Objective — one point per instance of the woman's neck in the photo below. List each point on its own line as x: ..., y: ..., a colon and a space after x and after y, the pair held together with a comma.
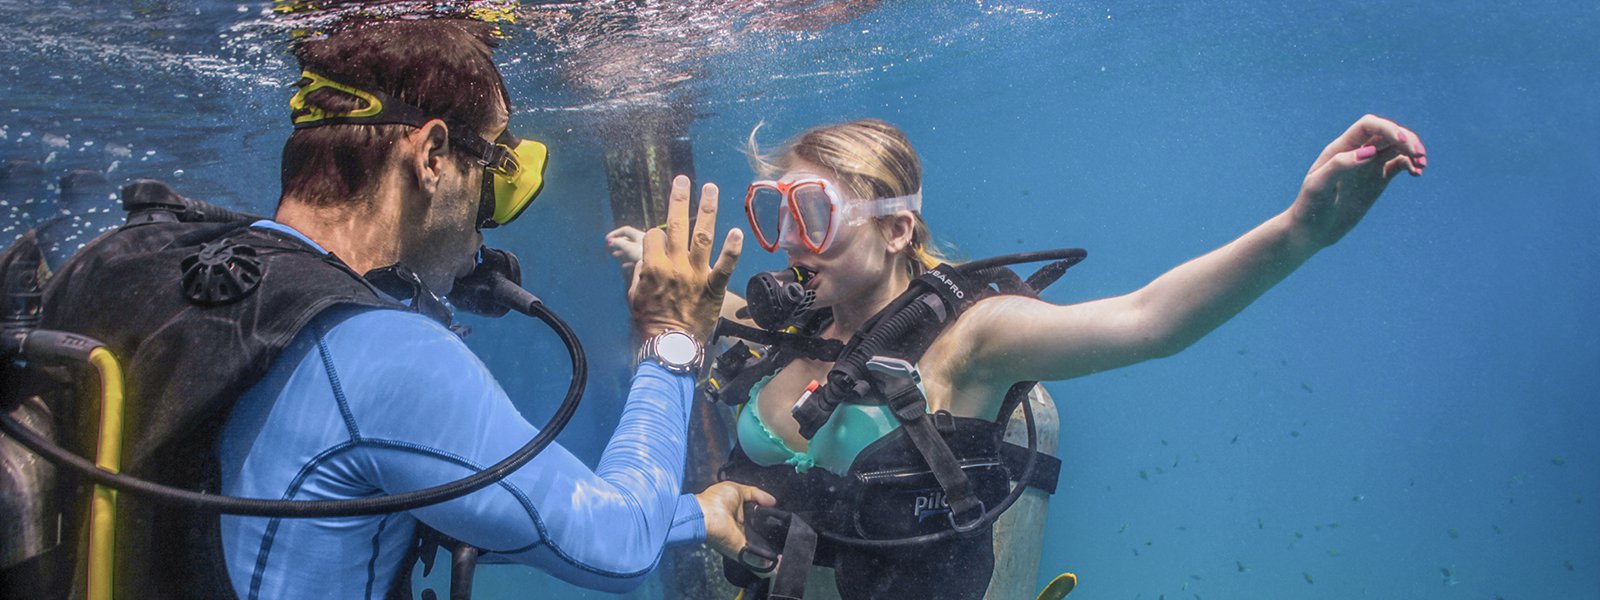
x: 850, y: 314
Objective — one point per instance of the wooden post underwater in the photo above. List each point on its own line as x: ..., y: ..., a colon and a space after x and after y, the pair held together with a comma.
x: 643, y: 153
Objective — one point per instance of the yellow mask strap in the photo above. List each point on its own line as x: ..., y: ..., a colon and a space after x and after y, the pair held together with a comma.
x: 377, y: 108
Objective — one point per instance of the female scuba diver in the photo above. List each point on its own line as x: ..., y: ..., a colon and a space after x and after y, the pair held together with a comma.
x: 827, y: 429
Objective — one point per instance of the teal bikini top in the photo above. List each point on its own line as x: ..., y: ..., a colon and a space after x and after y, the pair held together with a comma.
x: 850, y: 430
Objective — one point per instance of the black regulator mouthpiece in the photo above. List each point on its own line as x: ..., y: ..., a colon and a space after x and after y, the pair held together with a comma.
x: 776, y: 298
x: 494, y: 286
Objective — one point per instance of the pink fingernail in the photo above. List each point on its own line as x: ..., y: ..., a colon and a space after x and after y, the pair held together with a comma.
x: 1422, y: 160
x: 1366, y: 152
x: 1402, y: 137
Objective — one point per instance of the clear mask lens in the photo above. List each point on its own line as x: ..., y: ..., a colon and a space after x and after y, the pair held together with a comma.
x: 816, y: 212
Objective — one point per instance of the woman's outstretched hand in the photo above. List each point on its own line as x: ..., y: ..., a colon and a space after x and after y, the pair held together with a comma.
x: 626, y: 244
x: 1351, y: 173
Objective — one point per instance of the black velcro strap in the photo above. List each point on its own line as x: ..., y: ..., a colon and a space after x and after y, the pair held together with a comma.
x: 794, y: 564
x: 1046, y: 469
x: 807, y: 346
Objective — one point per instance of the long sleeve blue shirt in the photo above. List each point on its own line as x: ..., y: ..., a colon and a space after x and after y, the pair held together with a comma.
x: 369, y: 401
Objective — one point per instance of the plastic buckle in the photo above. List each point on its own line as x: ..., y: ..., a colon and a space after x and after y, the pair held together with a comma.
x: 769, y: 560
x: 894, y: 367
x: 972, y: 524
x: 944, y: 422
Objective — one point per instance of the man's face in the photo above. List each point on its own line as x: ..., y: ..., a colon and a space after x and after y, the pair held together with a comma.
x: 444, y: 248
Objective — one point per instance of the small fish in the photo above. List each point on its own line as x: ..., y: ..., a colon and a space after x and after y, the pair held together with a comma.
x: 1454, y: 535
x: 1448, y: 572
x: 1160, y: 471
x: 1123, y: 528
x: 1182, y: 528
x: 1144, y: 475
x: 1241, y: 566
x: 1308, y: 577
x: 1317, y: 527
x: 1235, y: 440
x: 1299, y: 536
x: 1294, y: 434
x: 1135, y: 551
x: 1305, y: 387
x: 1163, y: 442
x: 1196, y: 578
x: 1149, y: 542
x: 1174, y: 462
x: 1357, y: 498
x: 1496, y: 528
x: 1243, y: 351
x: 1333, y: 525
x: 1260, y: 524
x: 1569, y: 566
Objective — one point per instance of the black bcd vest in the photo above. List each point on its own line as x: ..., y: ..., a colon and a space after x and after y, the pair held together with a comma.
x: 197, y: 313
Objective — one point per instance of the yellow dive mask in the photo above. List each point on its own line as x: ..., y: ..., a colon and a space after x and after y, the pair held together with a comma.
x: 513, y: 167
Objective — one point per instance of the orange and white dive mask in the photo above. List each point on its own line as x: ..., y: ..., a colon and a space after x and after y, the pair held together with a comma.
x: 814, y: 209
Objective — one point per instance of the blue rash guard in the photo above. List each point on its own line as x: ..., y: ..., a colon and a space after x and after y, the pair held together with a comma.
x: 372, y: 401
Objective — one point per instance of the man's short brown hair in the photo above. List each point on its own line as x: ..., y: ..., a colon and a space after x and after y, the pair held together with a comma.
x: 442, y: 66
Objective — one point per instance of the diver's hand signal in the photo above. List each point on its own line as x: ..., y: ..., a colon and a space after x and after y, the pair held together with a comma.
x: 674, y: 287
x: 1346, y: 180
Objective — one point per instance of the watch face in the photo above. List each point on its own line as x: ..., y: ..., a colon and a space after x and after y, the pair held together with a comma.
x: 677, y: 348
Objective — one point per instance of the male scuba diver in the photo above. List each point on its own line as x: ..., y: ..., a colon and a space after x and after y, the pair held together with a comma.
x: 305, y: 367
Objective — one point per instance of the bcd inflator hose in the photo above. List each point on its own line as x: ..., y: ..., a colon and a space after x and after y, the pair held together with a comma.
x: 45, y: 345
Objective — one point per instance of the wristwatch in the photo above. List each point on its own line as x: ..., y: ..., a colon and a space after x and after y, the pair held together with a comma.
x: 674, y: 349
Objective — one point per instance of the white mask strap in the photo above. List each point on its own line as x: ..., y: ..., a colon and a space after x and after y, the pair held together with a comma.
x: 887, y: 206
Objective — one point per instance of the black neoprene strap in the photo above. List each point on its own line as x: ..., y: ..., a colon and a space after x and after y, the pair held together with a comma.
x: 794, y: 564
x: 1046, y: 468
x: 966, y: 511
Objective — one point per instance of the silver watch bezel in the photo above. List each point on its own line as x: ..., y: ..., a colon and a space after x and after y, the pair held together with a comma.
x: 651, y: 350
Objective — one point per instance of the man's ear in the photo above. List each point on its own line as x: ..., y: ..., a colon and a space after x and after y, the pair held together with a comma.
x: 431, y: 155
x: 897, y: 230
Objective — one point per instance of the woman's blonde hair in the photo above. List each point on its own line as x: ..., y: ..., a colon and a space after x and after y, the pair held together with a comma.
x: 872, y: 158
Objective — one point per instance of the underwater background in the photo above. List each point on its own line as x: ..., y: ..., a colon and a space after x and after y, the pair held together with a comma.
x: 1413, y: 414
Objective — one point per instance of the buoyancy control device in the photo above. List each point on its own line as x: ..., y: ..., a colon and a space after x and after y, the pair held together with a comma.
x: 198, y: 303
x: 914, y: 502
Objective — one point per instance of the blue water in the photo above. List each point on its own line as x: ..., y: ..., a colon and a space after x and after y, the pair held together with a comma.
x: 1411, y: 415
